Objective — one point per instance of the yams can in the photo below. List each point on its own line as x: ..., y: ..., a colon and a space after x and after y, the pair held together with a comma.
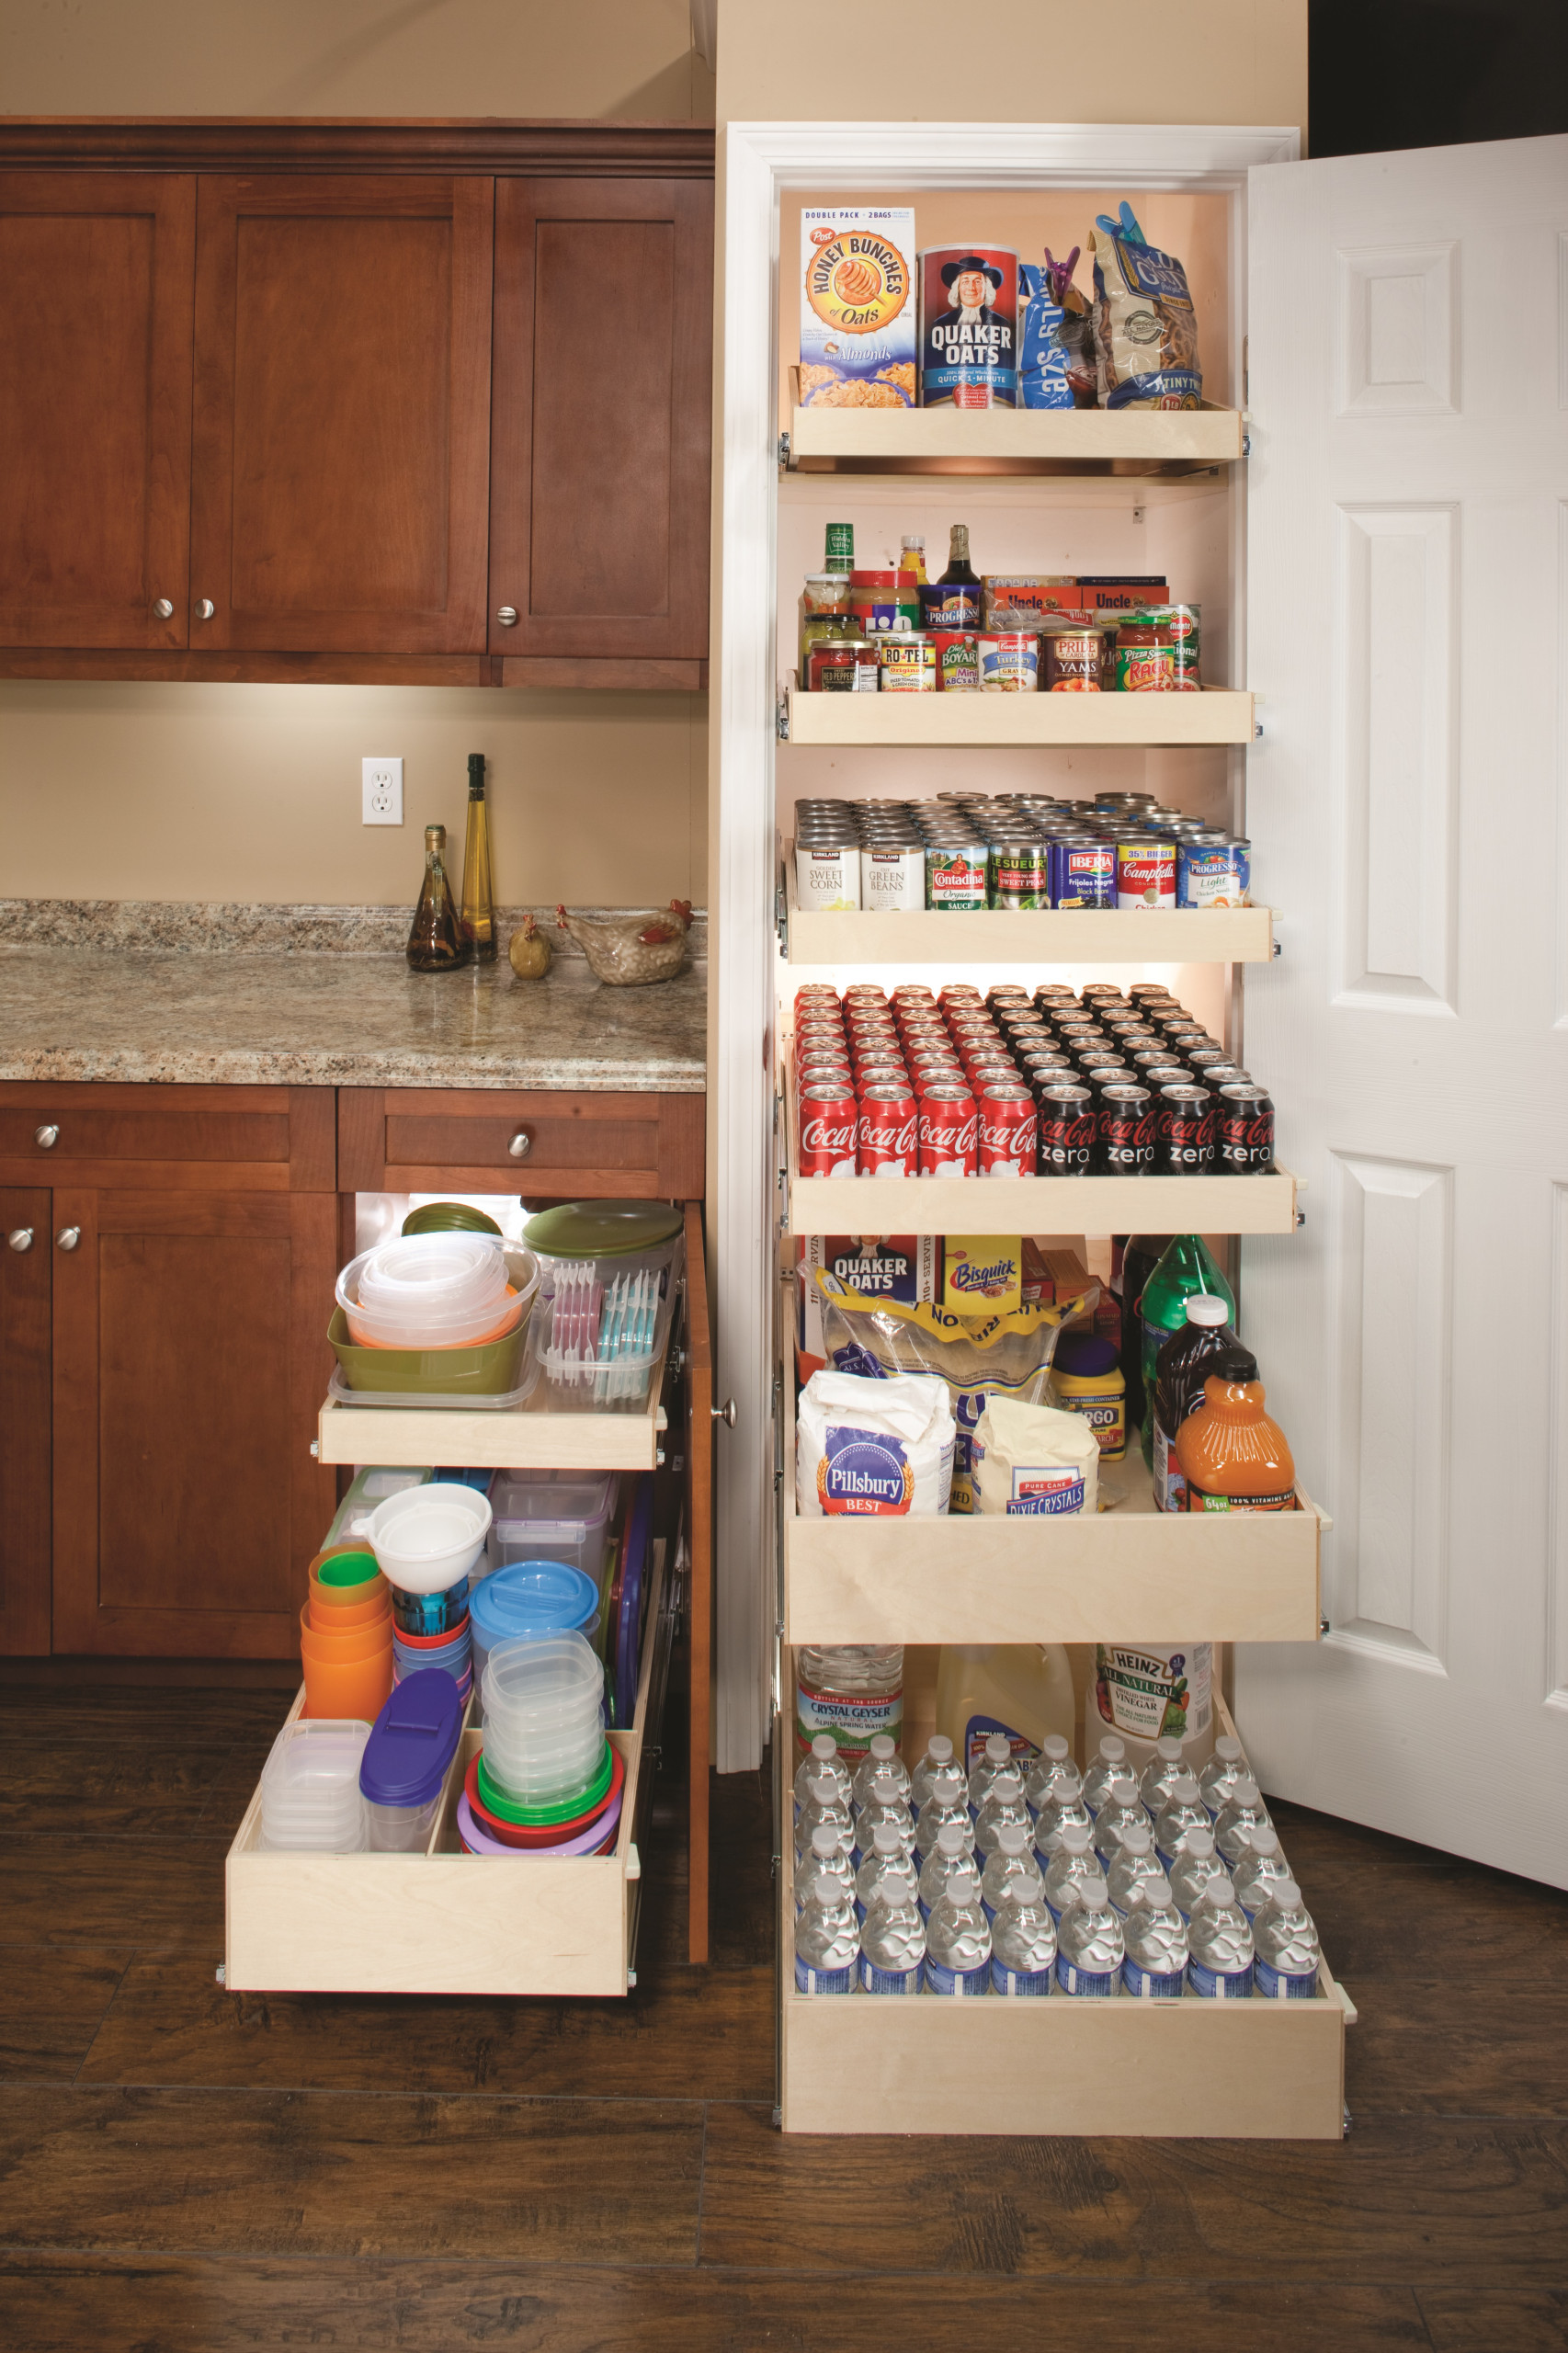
x: 969, y: 328
x: 1072, y: 660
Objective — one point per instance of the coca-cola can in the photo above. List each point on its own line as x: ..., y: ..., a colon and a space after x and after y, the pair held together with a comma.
x: 1245, y: 1132
x: 1125, y: 1140
x: 1009, y: 1128
x: 886, y: 1138
x: 1068, y: 1128
x: 886, y: 1070
x: 814, y: 996
x: 960, y: 992
x: 829, y: 1123
x: 1184, y: 1134
x: 826, y: 1035
x: 826, y: 1069
x: 936, y: 1063
x: 948, y: 1130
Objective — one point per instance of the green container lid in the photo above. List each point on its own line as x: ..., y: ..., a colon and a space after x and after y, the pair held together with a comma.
x: 602, y: 1229
x: 448, y: 1217
x: 536, y: 1817
x: 348, y: 1569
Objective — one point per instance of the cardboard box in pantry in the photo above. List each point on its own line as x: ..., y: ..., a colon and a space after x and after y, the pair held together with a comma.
x: 1006, y: 1270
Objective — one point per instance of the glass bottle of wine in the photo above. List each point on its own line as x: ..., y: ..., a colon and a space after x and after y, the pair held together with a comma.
x: 437, y: 942
x: 479, y: 901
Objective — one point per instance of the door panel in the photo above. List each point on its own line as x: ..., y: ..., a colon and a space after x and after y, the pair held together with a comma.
x: 342, y: 413
x: 95, y: 407
x: 700, y: 1524
x: 1408, y: 489
x: 600, y: 476
x: 25, y: 1443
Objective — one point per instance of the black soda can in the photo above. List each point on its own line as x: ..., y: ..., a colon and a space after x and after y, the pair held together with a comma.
x: 1067, y: 1130
x: 1185, y: 1125
x: 1125, y: 1142
x: 1246, y: 1124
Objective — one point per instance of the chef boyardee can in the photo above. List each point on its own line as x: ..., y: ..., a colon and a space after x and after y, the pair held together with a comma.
x: 956, y: 876
x: 969, y: 323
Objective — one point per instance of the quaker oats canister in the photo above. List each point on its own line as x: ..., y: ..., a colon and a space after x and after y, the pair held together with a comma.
x: 968, y: 322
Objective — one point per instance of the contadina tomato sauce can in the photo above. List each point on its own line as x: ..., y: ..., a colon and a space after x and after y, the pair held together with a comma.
x: 969, y: 328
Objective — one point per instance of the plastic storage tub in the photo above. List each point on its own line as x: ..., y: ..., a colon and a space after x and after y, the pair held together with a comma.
x: 530, y: 1597
x: 555, y: 1516
x: 404, y: 1766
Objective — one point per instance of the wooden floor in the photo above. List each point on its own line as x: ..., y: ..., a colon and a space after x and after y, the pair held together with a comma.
x: 180, y: 2169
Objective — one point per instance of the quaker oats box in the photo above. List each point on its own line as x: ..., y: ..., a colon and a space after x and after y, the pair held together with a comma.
x: 858, y: 307
x: 906, y: 1267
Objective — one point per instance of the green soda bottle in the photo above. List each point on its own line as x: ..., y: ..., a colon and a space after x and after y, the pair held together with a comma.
x: 1187, y: 1267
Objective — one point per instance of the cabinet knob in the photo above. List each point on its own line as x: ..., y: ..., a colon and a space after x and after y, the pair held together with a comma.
x: 46, y: 1138
x: 68, y: 1237
x: 508, y: 616
x: 205, y: 608
x: 522, y: 1143
x: 724, y: 1413
x: 163, y: 609
x: 20, y: 1237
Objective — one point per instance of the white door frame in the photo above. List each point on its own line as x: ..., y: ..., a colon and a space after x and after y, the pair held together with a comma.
x: 759, y: 159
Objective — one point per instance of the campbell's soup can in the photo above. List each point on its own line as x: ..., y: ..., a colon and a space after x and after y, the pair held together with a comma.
x: 1009, y: 662
x: 1145, y: 872
x: 958, y: 660
x: 969, y: 326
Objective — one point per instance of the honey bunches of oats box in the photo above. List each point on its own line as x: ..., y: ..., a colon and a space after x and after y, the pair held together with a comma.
x: 858, y: 306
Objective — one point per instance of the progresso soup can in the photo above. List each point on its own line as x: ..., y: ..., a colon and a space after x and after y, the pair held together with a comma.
x: 969, y: 326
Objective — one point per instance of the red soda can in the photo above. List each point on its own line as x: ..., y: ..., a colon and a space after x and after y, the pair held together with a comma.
x: 829, y: 1118
x: 948, y: 1130
x: 960, y: 992
x: 815, y: 996
x: 825, y: 1070
x: 820, y: 1033
x: 1009, y: 1128
x: 936, y: 1063
x: 886, y: 1071
x: 886, y: 1135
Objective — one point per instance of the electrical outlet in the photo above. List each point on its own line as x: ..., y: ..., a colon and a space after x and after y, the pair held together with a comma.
x: 381, y: 788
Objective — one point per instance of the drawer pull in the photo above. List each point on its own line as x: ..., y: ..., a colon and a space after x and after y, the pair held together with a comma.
x: 724, y: 1413
x: 522, y: 1143
x: 68, y: 1237
x: 163, y: 609
x: 205, y: 608
x: 508, y: 616
x: 46, y: 1138
x: 20, y: 1237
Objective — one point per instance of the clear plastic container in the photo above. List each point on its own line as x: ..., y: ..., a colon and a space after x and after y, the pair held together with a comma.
x: 600, y: 1329
x: 400, y: 1829
x: 310, y: 1788
x: 438, y: 1291
x: 555, y: 1516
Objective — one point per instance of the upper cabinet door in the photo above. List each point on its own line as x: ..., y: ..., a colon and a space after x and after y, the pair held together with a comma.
x: 342, y: 413
x: 95, y: 407
x: 603, y: 393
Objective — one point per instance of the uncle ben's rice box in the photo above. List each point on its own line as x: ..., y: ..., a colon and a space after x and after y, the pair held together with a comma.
x: 858, y: 308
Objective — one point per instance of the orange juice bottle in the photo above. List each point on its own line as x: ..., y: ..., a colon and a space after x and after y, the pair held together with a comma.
x: 1233, y: 1455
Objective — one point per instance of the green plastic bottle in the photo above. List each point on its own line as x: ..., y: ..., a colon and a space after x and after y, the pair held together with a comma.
x: 1187, y: 1267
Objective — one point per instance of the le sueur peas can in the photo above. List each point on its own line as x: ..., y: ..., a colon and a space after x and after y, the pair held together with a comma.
x: 1145, y: 872
x: 1019, y: 874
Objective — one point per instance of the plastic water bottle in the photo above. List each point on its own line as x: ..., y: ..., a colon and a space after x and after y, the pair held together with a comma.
x: 1288, y: 1950
x: 1184, y: 1810
x: 1219, y: 1945
x: 892, y: 1947
x: 1002, y: 1809
x: 1154, y: 1967
x: 888, y: 1874
x: 952, y: 1849
x: 1023, y: 1944
x: 823, y: 1757
x: 1194, y: 1872
x: 1222, y: 1773
x: 1242, y: 1813
x: 881, y: 1764
x: 997, y: 1758
x: 1009, y: 1864
x: 1122, y: 1812
x: 1260, y: 1872
x: 1072, y: 1864
x: 822, y: 1804
x: 827, y: 1940
x: 1164, y: 1767
x: 884, y: 1808
x: 949, y: 1801
x: 1110, y: 1765
x: 1051, y: 1770
x: 828, y: 1856
x: 938, y: 1752
x: 1064, y: 1811
x: 1134, y: 1861
x: 1089, y: 1943
x: 958, y: 1938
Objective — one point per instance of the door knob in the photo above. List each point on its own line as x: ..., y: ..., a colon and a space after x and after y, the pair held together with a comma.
x: 163, y: 609
x: 724, y: 1413
x: 68, y: 1237
x: 508, y: 616
x: 46, y: 1138
x: 20, y: 1237
x: 205, y: 608
x: 522, y: 1143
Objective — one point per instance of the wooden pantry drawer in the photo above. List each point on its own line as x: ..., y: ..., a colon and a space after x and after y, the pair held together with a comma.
x: 245, y: 1139
x: 407, y: 1140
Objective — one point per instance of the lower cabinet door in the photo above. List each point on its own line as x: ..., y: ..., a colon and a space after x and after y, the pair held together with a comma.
x: 25, y: 1272
x: 189, y: 1357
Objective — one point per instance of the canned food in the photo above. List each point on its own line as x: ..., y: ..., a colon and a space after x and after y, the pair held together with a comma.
x: 1083, y: 873
x: 1145, y: 872
x: 827, y: 880
x: 1019, y: 875
x: 1009, y: 662
x: 958, y: 660
x: 1072, y: 660
x: 956, y: 877
x: 892, y: 880
x: 1210, y: 874
x: 907, y: 660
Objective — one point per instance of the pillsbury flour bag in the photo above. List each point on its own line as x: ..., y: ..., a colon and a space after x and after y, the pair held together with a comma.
x: 866, y: 1447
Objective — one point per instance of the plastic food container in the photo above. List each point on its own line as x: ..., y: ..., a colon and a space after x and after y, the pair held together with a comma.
x: 405, y: 1766
x: 555, y: 1516
x: 544, y: 1706
x: 427, y: 1538
x: 371, y: 1487
x: 635, y: 1235
x: 310, y: 1789
x: 474, y: 1375
x: 532, y: 1597
x: 436, y: 1292
x: 430, y: 1614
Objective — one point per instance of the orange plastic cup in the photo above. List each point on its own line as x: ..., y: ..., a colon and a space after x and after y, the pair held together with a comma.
x: 330, y: 1622
x: 357, y: 1642
x: 360, y: 1689
x: 347, y: 1594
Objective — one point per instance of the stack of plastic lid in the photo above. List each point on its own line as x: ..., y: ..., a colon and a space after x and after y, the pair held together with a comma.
x: 406, y: 1760
x: 532, y: 1599
x: 431, y: 1291
x: 310, y: 1789
x: 547, y: 1781
x: 345, y: 1636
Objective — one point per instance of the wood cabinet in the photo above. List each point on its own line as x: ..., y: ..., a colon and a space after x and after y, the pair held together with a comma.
x: 417, y: 1139
x: 25, y: 1432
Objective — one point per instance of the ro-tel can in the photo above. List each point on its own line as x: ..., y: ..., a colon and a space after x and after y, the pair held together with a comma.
x: 1144, y: 662
x: 907, y: 660
x: 885, y: 1137
x: 1246, y: 1124
x: 958, y: 660
x: 1209, y: 872
x: 1009, y: 662
x: 829, y: 1120
x: 1067, y: 1128
x: 1073, y: 659
x: 827, y: 877
x: 1127, y: 1123
x: 841, y: 665
x: 892, y: 880
x: 969, y: 326
x: 1019, y: 874
x: 1082, y: 871
x: 882, y: 602
x: 949, y: 1127
x: 1184, y: 1131
x: 956, y: 876
x: 1145, y: 872
x: 1009, y: 1128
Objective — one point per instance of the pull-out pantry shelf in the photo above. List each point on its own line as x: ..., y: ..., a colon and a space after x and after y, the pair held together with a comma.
x: 1215, y: 715
x: 1002, y: 441
x: 1035, y: 1205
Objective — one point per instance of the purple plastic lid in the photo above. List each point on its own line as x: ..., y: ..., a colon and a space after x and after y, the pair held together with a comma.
x: 1082, y: 1354
x: 413, y: 1741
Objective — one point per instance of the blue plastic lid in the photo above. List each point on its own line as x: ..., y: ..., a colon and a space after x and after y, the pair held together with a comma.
x: 532, y: 1597
x: 1081, y: 1356
x: 413, y: 1740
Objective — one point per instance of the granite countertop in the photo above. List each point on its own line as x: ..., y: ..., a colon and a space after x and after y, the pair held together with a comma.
x: 321, y: 998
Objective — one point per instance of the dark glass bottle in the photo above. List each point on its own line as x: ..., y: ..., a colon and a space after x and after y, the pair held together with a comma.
x: 960, y: 572
x: 437, y: 942
x: 479, y: 898
x: 1139, y: 1260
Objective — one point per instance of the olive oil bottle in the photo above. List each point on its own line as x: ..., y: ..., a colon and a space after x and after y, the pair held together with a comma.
x: 437, y: 942
x: 479, y: 898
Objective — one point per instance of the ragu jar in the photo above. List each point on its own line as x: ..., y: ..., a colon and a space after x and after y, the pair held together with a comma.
x: 1144, y: 660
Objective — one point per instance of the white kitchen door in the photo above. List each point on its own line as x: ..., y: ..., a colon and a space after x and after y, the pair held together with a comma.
x: 1407, y: 615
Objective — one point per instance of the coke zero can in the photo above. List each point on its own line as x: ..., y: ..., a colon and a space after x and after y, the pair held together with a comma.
x: 1126, y: 1134
x: 1185, y: 1123
x: 1245, y: 1131
x: 885, y: 1140
x: 1067, y: 1130
x: 1009, y: 1130
x: 948, y: 1130
x: 829, y: 1120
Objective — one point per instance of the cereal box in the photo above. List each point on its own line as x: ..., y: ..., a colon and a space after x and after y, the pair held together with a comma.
x: 858, y: 309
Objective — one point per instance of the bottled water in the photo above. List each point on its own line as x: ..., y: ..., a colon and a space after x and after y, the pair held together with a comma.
x: 1072, y: 1864
x: 1134, y: 1862
x: 1023, y: 1944
x: 1164, y: 1767
x: 1066, y: 1809
x: 828, y: 1856
x: 888, y: 1874
x: 958, y: 1938
x: 1002, y: 1809
x: 883, y: 1809
x: 951, y: 1851
x: 998, y: 1757
x: 823, y: 1804
x: 823, y: 1757
x: 949, y: 1801
x: 1184, y: 1810
x: 1219, y: 1945
x: 1051, y: 1770
x: 881, y: 1765
x: 893, y: 1946
x: 1122, y: 1812
x: 938, y: 1752
x: 1156, y: 1935
x: 853, y: 1689
x: 1286, y: 1945
x: 1242, y: 1813
x: 1195, y: 1869
x: 1008, y: 1865
x: 1260, y: 1872
x: 1222, y: 1773
x: 827, y: 1941
x: 1110, y: 1765
x: 1089, y: 1942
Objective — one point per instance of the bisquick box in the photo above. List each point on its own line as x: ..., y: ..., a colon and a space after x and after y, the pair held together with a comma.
x: 995, y: 1273
x: 858, y: 306
x: 906, y: 1267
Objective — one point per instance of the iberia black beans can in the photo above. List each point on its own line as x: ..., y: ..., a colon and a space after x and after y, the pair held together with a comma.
x: 969, y: 328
